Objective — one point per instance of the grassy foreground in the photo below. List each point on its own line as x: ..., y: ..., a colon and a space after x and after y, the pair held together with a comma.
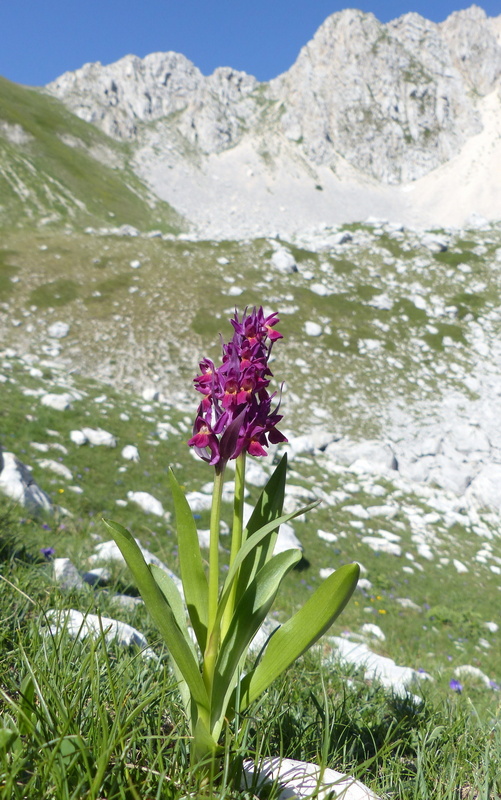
x: 82, y: 719
x: 85, y: 720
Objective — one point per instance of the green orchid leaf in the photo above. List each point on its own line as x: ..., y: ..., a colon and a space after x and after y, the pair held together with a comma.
x: 194, y: 579
x: 161, y: 613
x: 247, y: 551
x: 204, y: 745
x: 172, y: 595
x: 268, y: 508
x: 249, y: 614
x: 300, y: 632
x: 175, y: 601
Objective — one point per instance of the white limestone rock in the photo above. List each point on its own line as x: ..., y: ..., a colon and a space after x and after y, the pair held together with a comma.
x: 380, y: 545
x: 313, y: 329
x: 79, y: 626
x: 397, y: 679
x: 66, y: 574
x: 109, y: 551
x: 310, y: 442
x: 60, y: 402
x: 255, y: 473
x: 283, y: 261
x: 78, y: 437
x: 99, y: 437
x: 286, y: 539
x: 57, y: 467
x: 372, y: 631
x: 17, y: 482
x: 468, y: 671
x: 58, y: 330
x: 369, y: 456
x: 99, y: 576
x: 299, y: 780
x: 130, y: 452
x: 408, y: 55
x: 484, y: 488
x: 147, y: 503
x: 199, y: 501
x: 150, y: 394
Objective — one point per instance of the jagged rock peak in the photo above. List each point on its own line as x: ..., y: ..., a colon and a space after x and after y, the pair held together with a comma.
x: 394, y: 100
x: 119, y: 96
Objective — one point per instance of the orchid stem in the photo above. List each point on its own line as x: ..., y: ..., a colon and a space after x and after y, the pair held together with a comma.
x: 211, y: 649
x: 236, y: 536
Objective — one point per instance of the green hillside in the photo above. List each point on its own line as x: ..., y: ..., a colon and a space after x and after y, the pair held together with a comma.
x: 56, y: 168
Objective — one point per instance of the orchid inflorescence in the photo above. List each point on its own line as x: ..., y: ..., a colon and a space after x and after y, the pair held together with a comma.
x: 235, y: 414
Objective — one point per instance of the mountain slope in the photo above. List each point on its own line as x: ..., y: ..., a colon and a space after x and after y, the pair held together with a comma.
x: 56, y: 168
x: 365, y: 114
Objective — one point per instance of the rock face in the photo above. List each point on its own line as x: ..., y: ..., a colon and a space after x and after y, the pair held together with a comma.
x: 394, y: 100
x: 387, y: 97
x: 120, y: 96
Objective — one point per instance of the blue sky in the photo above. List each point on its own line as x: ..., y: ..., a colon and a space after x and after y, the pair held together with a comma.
x: 41, y: 39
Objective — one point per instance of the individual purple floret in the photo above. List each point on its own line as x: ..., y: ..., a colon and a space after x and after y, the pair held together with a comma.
x: 47, y: 552
x: 235, y: 414
x: 456, y: 686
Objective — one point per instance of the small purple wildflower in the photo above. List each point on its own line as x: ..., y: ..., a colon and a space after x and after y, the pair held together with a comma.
x: 455, y: 685
x: 235, y: 414
x: 47, y: 552
x: 495, y: 686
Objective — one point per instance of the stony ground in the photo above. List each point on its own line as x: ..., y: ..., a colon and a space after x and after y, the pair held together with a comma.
x: 390, y: 360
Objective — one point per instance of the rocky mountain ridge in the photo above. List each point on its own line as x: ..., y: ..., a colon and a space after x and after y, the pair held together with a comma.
x: 395, y: 100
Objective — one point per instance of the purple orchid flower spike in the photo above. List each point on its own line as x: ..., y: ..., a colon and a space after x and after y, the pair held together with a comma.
x: 235, y: 414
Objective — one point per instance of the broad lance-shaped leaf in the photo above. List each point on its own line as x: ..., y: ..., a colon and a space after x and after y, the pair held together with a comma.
x: 161, y: 614
x: 175, y: 601
x: 246, y: 551
x: 190, y: 559
x: 300, y: 632
x: 249, y: 614
x: 268, y: 507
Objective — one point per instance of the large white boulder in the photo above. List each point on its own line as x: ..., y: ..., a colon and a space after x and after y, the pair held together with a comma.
x: 484, y: 490
x: 380, y: 668
x: 78, y: 437
x: 17, y: 482
x: 109, y: 551
x: 283, y: 261
x: 99, y: 437
x: 309, y: 442
x: 300, y: 779
x: 371, y: 455
x: 60, y: 402
x: 79, y: 626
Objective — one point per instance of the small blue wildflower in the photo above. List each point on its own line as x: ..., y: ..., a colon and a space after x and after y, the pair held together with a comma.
x: 47, y: 552
x: 494, y: 686
x: 456, y: 686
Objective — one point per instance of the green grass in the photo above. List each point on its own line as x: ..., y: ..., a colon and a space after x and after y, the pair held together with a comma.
x: 82, y: 719
x: 117, y: 729
x: 65, y: 170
